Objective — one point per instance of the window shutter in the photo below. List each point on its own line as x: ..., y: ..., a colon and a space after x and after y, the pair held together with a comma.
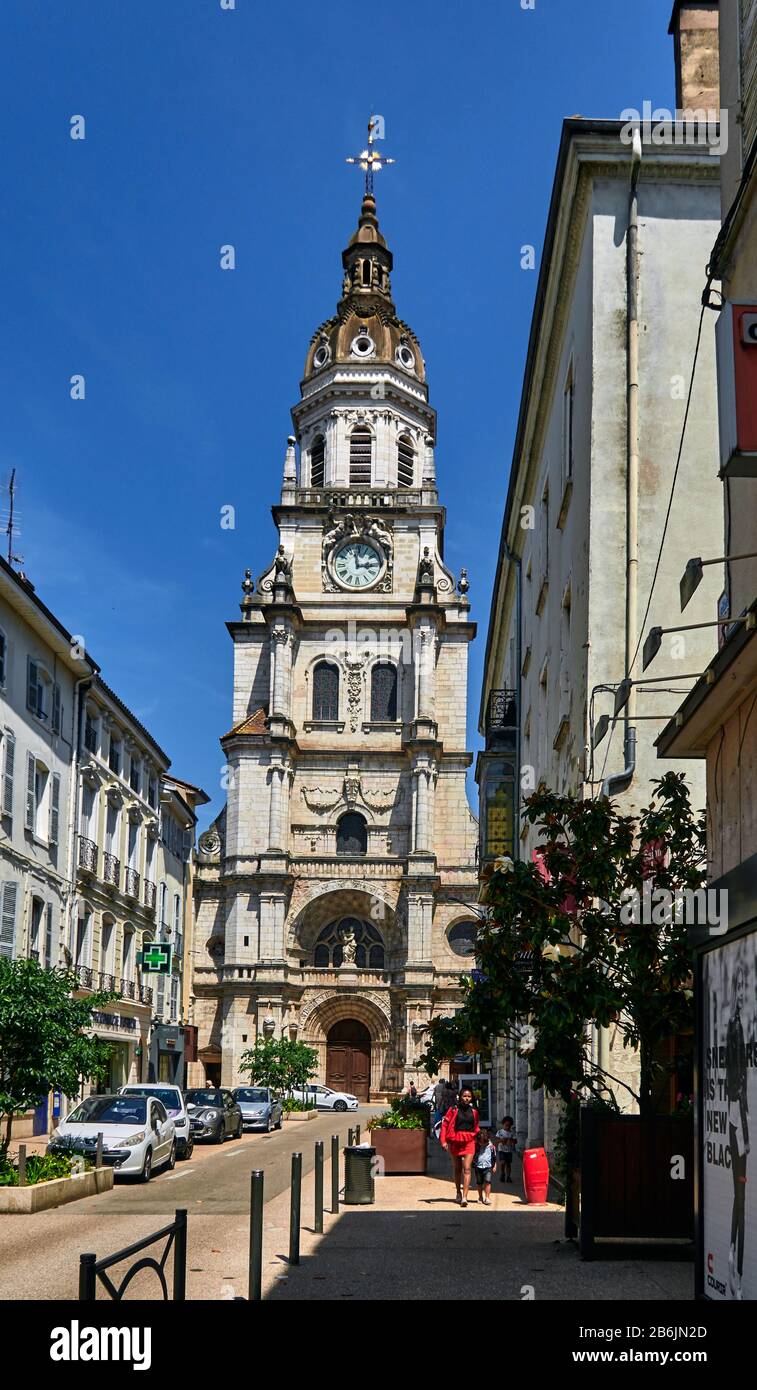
x: 384, y: 693
x: 32, y: 685
x: 360, y: 457
x: 54, y: 808
x: 9, y: 760
x: 8, y: 920
x: 748, y: 26
x: 31, y: 794
x: 186, y: 844
x: 49, y: 959
x: 56, y: 709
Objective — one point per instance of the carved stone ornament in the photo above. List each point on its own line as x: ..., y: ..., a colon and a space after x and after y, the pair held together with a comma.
x: 209, y: 842
x: 354, y: 692
x: 366, y: 528
x: 321, y: 800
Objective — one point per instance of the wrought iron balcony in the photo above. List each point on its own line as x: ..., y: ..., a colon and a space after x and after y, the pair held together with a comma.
x: 85, y: 976
x: 111, y: 869
x: 150, y: 894
x: 132, y: 884
x: 127, y: 988
x: 106, y: 982
x: 502, y: 719
x: 87, y: 855
x: 145, y: 995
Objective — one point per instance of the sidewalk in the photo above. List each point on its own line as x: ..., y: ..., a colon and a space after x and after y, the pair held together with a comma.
x: 417, y: 1243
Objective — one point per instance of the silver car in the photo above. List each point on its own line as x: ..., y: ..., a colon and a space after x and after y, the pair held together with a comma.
x: 260, y: 1107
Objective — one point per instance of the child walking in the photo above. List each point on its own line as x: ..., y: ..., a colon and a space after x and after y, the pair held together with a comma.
x: 484, y: 1164
x: 507, y: 1143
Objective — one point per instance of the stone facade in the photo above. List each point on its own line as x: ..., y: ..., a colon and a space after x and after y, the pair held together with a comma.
x: 327, y: 889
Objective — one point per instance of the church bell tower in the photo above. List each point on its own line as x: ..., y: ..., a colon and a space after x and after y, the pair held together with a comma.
x: 336, y: 889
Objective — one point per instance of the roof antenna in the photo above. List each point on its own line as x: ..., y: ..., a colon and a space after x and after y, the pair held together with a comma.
x: 11, y: 529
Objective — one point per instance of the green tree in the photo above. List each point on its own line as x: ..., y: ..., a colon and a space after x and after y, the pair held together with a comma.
x: 577, y: 939
x: 44, y: 1044
x: 280, y: 1063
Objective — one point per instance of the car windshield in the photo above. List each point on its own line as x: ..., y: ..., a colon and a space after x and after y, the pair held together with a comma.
x: 110, y: 1110
x: 213, y: 1098
x: 168, y: 1095
x: 251, y: 1093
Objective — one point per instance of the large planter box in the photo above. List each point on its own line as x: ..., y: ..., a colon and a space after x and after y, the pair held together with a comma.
x: 300, y: 1114
x: 629, y: 1194
x: 401, y: 1150
x: 43, y: 1196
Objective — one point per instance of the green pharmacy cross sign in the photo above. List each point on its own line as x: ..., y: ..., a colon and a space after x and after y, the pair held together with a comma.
x: 156, y: 959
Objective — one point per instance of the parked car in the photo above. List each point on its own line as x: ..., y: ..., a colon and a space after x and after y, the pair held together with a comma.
x: 138, y: 1134
x: 326, y: 1099
x: 213, y: 1114
x: 260, y: 1107
x: 173, y: 1100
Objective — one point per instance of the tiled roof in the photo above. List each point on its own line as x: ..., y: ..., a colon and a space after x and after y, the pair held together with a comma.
x: 252, y: 724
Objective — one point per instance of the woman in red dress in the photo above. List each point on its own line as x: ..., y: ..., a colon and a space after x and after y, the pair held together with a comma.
x: 458, y: 1135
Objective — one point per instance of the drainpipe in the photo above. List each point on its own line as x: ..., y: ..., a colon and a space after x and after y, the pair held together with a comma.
x: 619, y: 781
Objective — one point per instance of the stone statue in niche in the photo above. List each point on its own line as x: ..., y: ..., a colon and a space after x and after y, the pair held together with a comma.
x: 349, y: 945
x: 426, y: 567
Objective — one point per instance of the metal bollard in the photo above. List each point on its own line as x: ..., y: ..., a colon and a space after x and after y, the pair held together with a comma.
x: 350, y: 1138
x: 357, y: 1134
x: 99, y: 1150
x: 294, y: 1210
x: 22, y: 1165
x: 180, y: 1256
x: 334, y: 1174
x: 255, y: 1281
x: 87, y: 1278
x: 319, y: 1187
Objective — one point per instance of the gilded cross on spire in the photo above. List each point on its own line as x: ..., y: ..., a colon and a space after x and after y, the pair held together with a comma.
x: 370, y: 160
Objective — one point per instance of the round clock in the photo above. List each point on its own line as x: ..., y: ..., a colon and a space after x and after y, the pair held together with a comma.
x: 357, y: 564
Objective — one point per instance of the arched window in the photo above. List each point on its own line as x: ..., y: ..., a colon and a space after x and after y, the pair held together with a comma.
x: 405, y: 461
x: 352, y: 834
x: 317, y: 456
x: 462, y: 938
x: 325, y: 690
x: 360, y: 458
x: 383, y: 693
x: 370, y: 953
x: 366, y: 273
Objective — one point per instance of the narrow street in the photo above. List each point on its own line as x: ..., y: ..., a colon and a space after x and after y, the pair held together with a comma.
x: 39, y: 1255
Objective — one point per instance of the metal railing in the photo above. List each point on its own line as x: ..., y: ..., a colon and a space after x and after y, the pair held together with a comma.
x: 132, y: 884
x: 111, y: 869
x: 91, y: 1269
x: 145, y: 994
x: 127, y: 988
x: 87, y: 854
x: 85, y: 976
x: 150, y: 894
x: 106, y: 982
x: 501, y: 711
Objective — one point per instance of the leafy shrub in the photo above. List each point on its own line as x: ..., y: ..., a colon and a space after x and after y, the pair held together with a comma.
x: 289, y: 1104
x: 397, y: 1119
x: 40, y: 1168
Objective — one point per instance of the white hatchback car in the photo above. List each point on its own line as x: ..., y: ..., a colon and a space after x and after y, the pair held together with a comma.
x: 138, y: 1135
x: 173, y: 1099
x: 326, y: 1099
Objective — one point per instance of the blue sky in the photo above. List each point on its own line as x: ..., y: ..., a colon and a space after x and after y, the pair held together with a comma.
x: 206, y: 127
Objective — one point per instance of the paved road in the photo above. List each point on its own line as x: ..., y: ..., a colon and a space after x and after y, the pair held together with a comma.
x: 216, y: 1179
x: 39, y: 1255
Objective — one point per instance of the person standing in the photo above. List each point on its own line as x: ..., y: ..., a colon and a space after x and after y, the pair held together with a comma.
x: 440, y: 1108
x: 458, y: 1137
x: 507, y: 1143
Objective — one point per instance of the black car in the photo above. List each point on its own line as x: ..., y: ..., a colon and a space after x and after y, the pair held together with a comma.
x: 213, y: 1114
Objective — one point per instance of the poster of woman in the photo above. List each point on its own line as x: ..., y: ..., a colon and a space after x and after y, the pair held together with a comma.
x: 728, y: 1098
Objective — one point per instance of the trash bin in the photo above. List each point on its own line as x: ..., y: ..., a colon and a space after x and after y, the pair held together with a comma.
x: 358, y: 1175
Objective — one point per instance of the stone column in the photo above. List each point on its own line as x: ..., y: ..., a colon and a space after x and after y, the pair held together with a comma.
x: 272, y: 915
x: 426, y: 673
x: 423, y: 817
x: 420, y: 907
x: 277, y: 813
x: 281, y: 659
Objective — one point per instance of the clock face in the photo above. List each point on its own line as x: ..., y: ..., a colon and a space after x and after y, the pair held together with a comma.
x: 357, y: 565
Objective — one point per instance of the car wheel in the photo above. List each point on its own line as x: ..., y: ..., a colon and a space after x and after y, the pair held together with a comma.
x: 280, y: 1121
x: 240, y: 1128
x: 171, y: 1160
x: 147, y: 1166
x: 221, y: 1135
x: 269, y: 1125
x: 188, y: 1149
x: 340, y: 1105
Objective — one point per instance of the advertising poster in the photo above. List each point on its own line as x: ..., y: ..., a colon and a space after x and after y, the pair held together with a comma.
x: 728, y: 1119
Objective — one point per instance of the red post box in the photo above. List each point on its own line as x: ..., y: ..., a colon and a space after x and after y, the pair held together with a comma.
x: 535, y: 1175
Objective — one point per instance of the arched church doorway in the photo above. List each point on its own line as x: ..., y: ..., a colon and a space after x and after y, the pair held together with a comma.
x: 348, y: 1058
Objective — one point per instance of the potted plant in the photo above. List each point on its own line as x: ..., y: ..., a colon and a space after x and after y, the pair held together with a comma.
x: 399, y: 1138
